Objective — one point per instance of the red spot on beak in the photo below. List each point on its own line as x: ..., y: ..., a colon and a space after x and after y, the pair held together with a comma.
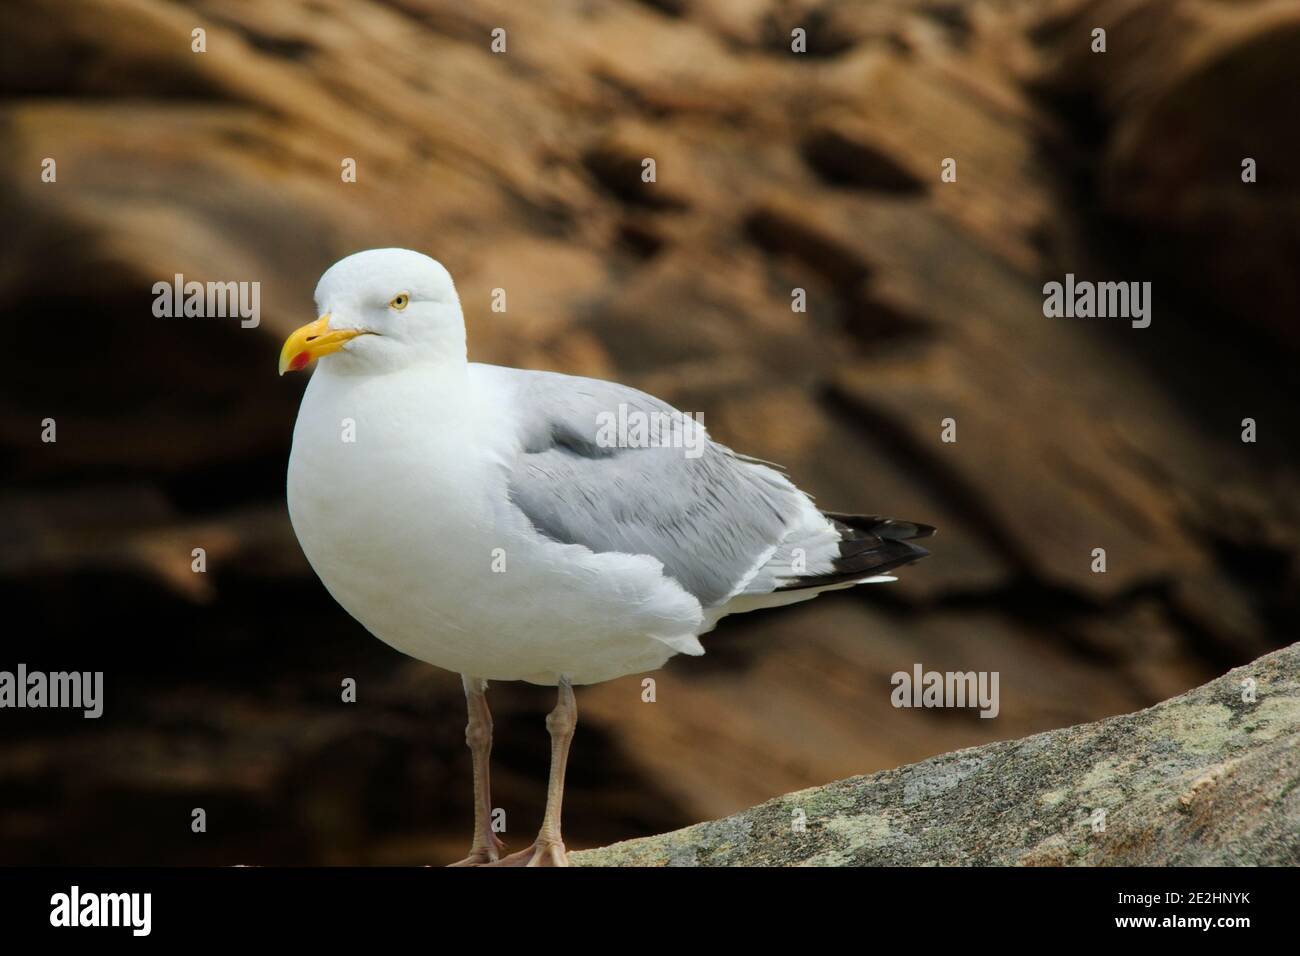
x: 299, y: 361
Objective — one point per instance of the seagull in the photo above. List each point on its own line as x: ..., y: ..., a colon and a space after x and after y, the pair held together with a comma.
x: 516, y: 525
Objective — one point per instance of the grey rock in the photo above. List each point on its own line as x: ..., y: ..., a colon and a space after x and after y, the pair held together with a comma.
x: 1209, y: 777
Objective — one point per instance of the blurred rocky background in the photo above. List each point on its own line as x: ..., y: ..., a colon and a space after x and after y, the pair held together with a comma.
x: 521, y: 171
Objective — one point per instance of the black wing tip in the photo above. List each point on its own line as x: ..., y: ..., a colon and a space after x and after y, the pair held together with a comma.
x: 891, y: 529
x: 861, y: 557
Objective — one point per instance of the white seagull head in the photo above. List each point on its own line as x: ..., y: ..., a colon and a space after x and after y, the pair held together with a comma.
x: 381, y: 310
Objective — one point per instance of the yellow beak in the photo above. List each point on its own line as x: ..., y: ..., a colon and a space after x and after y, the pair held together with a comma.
x: 312, y: 341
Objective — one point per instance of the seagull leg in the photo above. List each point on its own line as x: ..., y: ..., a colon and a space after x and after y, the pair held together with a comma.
x: 548, y: 849
x: 486, y: 847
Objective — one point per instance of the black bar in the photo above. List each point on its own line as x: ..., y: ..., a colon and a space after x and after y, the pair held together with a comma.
x: 439, y: 906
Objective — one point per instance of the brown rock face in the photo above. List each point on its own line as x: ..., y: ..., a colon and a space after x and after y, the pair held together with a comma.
x: 775, y: 174
x: 1178, y: 181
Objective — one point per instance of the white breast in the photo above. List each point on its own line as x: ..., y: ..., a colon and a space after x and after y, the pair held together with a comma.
x: 409, y: 527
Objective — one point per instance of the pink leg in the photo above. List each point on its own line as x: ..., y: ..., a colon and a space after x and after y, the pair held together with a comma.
x: 548, y: 849
x: 486, y: 847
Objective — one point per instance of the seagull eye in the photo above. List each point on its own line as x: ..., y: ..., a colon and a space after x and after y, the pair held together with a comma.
x: 399, y: 301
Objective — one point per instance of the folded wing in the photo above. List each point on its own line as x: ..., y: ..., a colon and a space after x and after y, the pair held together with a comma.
x: 613, y: 469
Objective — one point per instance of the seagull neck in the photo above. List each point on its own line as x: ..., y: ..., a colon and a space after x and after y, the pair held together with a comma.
x: 448, y: 368
x: 441, y: 385
x: 442, y: 369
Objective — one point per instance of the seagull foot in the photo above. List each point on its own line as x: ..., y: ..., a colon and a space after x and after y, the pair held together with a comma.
x: 541, y: 853
x: 483, y: 855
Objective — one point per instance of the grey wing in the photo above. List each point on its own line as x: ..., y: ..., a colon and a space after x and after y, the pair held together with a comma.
x: 721, y: 524
x: 709, y: 516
